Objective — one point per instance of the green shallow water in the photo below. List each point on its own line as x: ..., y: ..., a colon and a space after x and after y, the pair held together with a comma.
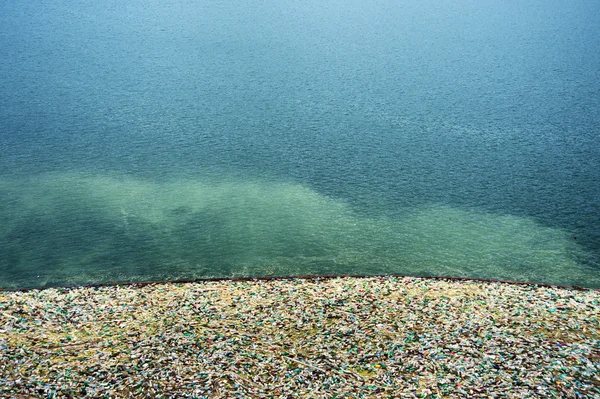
x: 117, y: 228
x: 147, y: 140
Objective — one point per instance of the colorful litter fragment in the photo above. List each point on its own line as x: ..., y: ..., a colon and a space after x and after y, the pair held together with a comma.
x: 383, y: 337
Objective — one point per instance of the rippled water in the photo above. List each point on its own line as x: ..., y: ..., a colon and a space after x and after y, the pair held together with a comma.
x: 149, y: 140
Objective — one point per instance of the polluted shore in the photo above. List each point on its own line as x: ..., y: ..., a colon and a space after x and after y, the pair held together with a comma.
x: 344, y: 337
x: 261, y: 199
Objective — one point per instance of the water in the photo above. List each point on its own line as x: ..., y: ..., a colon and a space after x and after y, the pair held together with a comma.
x: 145, y: 140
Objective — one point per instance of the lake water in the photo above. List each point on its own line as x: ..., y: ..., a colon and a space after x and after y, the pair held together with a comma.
x: 150, y: 140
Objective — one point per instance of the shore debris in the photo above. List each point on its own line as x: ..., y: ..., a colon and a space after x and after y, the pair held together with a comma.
x: 383, y: 337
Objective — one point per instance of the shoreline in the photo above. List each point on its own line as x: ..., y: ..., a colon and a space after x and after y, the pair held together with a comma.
x: 298, y: 277
x: 292, y: 337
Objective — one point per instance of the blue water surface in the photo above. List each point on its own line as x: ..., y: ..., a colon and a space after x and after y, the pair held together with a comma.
x: 148, y: 140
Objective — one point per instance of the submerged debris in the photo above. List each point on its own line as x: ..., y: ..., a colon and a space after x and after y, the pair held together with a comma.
x: 322, y: 338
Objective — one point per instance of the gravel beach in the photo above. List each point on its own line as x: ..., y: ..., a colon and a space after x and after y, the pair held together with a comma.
x: 382, y: 337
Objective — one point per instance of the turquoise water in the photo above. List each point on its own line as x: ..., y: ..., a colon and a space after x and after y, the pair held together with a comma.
x: 146, y: 140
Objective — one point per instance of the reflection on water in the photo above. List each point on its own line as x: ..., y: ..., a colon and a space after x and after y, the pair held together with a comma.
x: 82, y: 228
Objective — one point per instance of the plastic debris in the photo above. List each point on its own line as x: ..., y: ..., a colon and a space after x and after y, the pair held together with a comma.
x: 321, y: 338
